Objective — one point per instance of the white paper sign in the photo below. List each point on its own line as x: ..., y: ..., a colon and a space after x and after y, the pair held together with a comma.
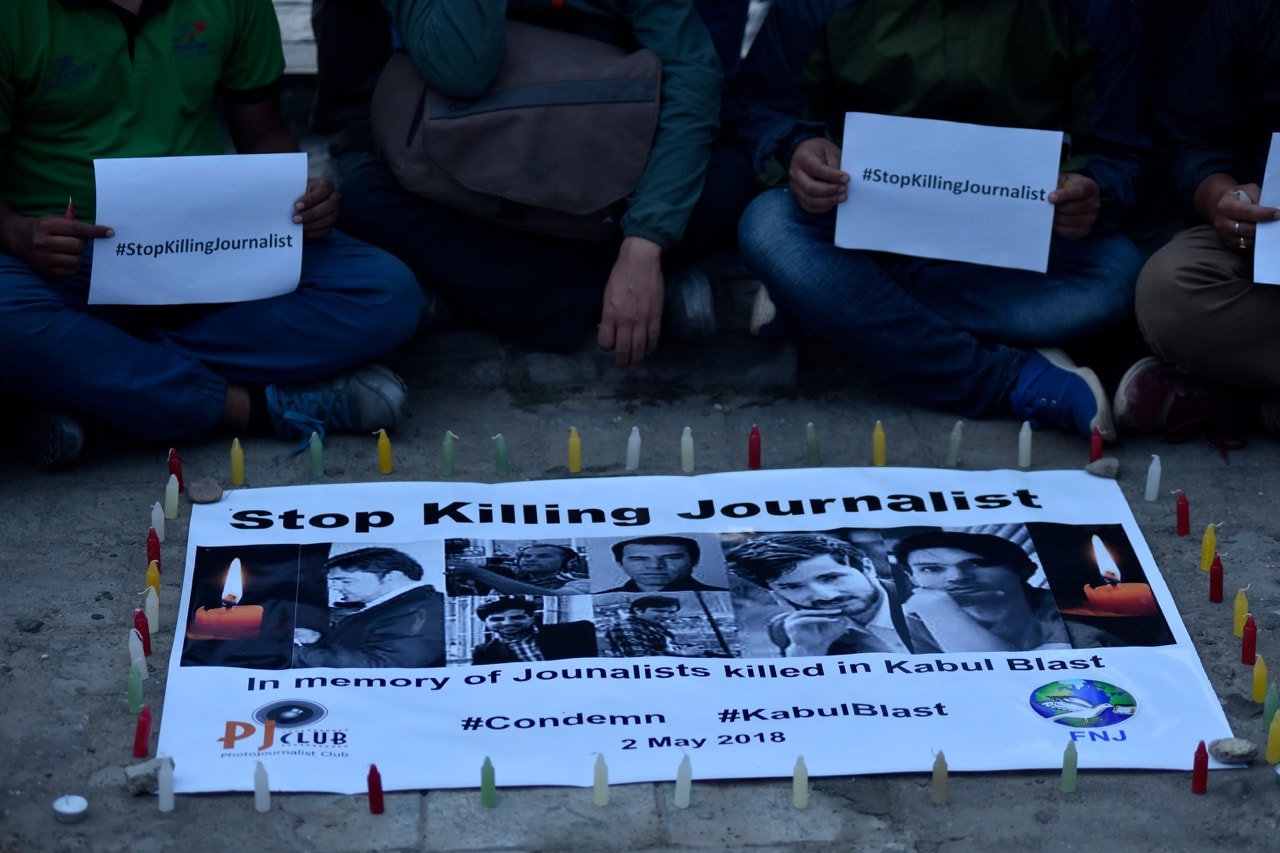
x: 940, y: 189
x: 197, y: 229
x: 1266, y: 254
x: 271, y: 664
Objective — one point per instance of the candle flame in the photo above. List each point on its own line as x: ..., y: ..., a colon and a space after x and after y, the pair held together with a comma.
x: 1106, y: 565
x: 233, y: 589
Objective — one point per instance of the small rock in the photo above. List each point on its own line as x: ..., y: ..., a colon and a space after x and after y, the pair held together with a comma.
x: 1233, y: 750
x: 1107, y: 466
x: 204, y: 491
x: 28, y: 626
x: 142, y: 778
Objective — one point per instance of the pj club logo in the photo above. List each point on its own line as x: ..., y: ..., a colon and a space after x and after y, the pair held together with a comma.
x: 289, y: 722
x: 1083, y: 703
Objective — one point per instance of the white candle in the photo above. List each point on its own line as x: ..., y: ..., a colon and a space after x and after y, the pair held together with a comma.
x: 151, y: 607
x: 70, y: 808
x: 136, y: 656
x: 953, y: 449
x: 1153, y: 478
x: 164, y: 782
x: 171, y: 498
x: 686, y: 451
x: 1024, y: 445
x: 157, y: 520
x: 261, y: 788
x: 684, y: 783
x: 800, y: 785
x: 600, y: 782
x: 633, y: 449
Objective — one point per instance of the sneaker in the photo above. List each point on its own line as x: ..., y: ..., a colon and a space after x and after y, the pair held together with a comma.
x: 366, y: 399
x: 689, y: 309
x: 1052, y: 390
x: 54, y: 439
x: 765, y: 320
x: 1154, y: 397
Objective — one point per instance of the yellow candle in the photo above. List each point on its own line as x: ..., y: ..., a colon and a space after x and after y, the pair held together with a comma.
x: 171, y: 497
x: 1241, y: 610
x: 575, y: 451
x: 878, y: 455
x: 1208, y: 547
x: 384, y: 452
x: 1273, y: 741
x: 1259, y: 679
x: 600, y: 782
x: 800, y: 785
x: 153, y: 579
x: 237, y: 463
x: 939, y: 779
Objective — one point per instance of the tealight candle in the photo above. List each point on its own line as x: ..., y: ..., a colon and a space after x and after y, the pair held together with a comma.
x: 1200, y: 770
x: 684, y: 783
x: 70, y: 808
x: 237, y: 463
x: 164, y: 784
x: 384, y: 452
x: 1153, y: 479
x: 600, y: 782
x: 878, y: 450
x: 175, y: 467
x: 488, y: 785
x: 1259, y: 679
x: 171, y: 497
x: 800, y: 785
x: 315, y: 447
x: 575, y: 451
x: 157, y: 520
x: 1208, y: 547
x: 500, y: 462
x: 686, y: 450
x: 261, y: 788
x: 1024, y: 445
x: 813, y: 456
x: 953, y: 446
x: 446, y: 453
x: 753, y: 448
x: 633, y: 449
x: 1070, y: 759
x: 374, y: 783
x: 939, y: 779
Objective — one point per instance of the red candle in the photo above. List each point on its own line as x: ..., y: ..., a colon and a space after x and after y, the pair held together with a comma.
x: 753, y: 448
x: 1249, y: 644
x: 144, y: 628
x: 1200, y: 770
x: 71, y: 210
x: 375, y: 791
x: 153, y: 546
x: 142, y: 733
x: 1215, y: 580
x: 1095, y: 445
x: 175, y: 466
x: 1184, y: 515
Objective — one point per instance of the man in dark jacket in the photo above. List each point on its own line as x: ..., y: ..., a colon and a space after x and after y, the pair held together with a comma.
x: 518, y: 637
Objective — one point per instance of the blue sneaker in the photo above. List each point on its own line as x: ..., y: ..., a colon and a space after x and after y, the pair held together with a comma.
x: 366, y: 399
x: 1052, y: 391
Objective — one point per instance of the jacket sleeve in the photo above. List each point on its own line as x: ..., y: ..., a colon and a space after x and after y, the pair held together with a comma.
x: 688, y: 121
x: 456, y: 44
x: 410, y: 634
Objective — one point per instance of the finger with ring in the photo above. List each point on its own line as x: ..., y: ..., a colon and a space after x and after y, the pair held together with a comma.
x: 1237, y: 227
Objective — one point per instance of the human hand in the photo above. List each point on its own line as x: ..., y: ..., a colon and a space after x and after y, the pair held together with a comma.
x: 816, y: 180
x: 1235, y: 219
x: 812, y: 632
x: 1076, y: 204
x: 317, y: 208
x: 53, y: 246
x: 305, y: 636
x: 631, y: 317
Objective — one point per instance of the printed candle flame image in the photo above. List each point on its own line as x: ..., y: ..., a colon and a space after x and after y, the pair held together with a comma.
x: 233, y: 620
x: 1114, y: 597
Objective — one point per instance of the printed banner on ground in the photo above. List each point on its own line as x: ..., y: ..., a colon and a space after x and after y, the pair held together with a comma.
x: 863, y: 618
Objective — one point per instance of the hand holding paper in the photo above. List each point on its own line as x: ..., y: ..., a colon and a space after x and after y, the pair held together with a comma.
x: 1076, y: 204
x: 816, y: 180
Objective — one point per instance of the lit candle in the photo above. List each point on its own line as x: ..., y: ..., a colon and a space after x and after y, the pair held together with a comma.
x: 142, y: 733
x: 1153, y: 479
x: 1259, y: 679
x: 953, y: 447
x: 1241, y: 610
x: 1270, y: 702
x: 374, y: 783
x: 939, y: 778
x: 813, y: 456
x: 233, y: 620
x: 753, y: 448
x: 136, y: 656
x: 488, y: 785
x: 684, y: 783
x: 633, y: 449
x: 384, y: 452
x: 316, y: 449
x: 500, y: 454
x: 1183, y: 513
x: 237, y: 463
x: 157, y: 520
x: 800, y: 784
x: 1024, y: 445
x: 261, y: 788
x: 575, y: 451
x: 1215, y: 580
x: 878, y: 452
x: 686, y: 450
x: 153, y: 577
x: 171, y: 497
x: 1095, y: 445
x: 135, y: 689
x: 164, y: 784
x: 143, y: 630
x: 153, y: 547
x: 1113, y: 596
x: 1249, y: 641
x: 1208, y: 547
x: 600, y: 782
x: 1200, y: 770
x: 1069, y: 762
x: 175, y: 466
x: 1273, y: 741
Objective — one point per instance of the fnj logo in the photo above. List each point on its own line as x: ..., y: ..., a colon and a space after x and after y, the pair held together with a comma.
x: 1084, y: 704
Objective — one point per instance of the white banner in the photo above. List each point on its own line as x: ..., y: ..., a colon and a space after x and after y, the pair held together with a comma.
x: 863, y: 618
x: 947, y: 190
x: 197, y: 229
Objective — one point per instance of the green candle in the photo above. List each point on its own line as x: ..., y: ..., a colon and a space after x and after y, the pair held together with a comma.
x: 135, y: 689
x: 1069, y: 758
x: 939, y: 779
x: 953, y: 449
x: 813, y: 456
x: 446, y: 453
x: 500, y: 454
x: 488, y: 790
x: 316, y: 447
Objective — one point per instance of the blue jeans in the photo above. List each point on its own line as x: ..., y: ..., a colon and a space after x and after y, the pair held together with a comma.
x: 161, y: 372
x: 937, y: 332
